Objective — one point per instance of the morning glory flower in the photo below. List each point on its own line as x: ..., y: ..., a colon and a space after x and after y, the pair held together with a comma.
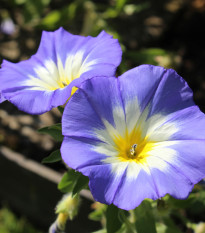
x: 136, y: 136
x: 62, y: 61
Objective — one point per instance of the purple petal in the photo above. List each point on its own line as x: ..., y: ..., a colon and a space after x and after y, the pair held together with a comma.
x: 189, y: 122
x: 43, y: 100
x: 174, y: 92
x: 78, y: 153
x: 104, y: 184
x: 150, y: 84
x: 93, y: 102
x: 189, y: 160
x: 133, y: 191
x: 2, y: 99
x: 141, y: 83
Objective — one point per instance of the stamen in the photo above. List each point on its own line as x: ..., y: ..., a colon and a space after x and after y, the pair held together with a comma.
x: 64, y: 84
x: 133, y: 150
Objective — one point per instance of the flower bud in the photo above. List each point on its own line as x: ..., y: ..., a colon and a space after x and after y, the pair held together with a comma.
x: 66, y: 209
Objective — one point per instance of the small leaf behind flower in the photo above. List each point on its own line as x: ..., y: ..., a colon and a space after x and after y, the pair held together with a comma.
x: 55, y: 156
x: 68, y: 181
x: 145, y: 221
x: 60, y: 109
x: 99, y: 212
x: 73, y: 182
x: 100, y: 231
x: 54, y: 130
x: 113, y: 222
x: 81, y: 183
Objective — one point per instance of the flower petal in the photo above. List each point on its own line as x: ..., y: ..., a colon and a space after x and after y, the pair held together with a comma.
x: 91, y: 104
x: 174, y: 92
x: 150, y: 84
x: 2, y: 99
x: 104, y: 183
x: 62, y: 61
x: 140, y: 83
x: 189, y: 123
x: 82, y: 149
x: 146, y: 86
x: 135, y: 187
x: 179, y: 157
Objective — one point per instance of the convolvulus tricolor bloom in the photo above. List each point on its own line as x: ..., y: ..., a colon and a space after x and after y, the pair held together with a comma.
x: 62, y: 61
x: 136, y: 136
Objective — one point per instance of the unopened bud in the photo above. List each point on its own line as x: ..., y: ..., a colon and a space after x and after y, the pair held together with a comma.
x: 68, y: 206
x: 66, y: 209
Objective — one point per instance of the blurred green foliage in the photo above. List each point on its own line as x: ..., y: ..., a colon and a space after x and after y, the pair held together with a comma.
x: 9, y: 223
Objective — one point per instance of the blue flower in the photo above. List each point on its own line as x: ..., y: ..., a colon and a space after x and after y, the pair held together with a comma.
x: 137, y: 136
x: 62, y: 61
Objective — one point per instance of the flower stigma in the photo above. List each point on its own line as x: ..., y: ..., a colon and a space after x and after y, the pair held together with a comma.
x: 133, y: 151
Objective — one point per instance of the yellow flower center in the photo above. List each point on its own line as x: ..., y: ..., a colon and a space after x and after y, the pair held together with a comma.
x: 62, y: 85
x: 133, y: 147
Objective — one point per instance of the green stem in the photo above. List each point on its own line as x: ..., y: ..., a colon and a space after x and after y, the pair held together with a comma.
x: 128, y: 224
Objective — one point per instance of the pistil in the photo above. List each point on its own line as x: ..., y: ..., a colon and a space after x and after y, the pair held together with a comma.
x: 133, y: 152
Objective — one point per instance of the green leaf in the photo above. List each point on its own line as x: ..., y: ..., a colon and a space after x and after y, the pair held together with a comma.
x: 146, y: 56
x: 171, y: 226
x: 68, y: 181
x: 57, y: 126
x: 51, y: 18
x: 145, y: 221
x: 162, y: 228
x: 100, y: 231
x: 73, y: 181
x: 120, y: 4
x: 95, y: 216
x: 55, y: 156
x: 81, y: 183
x: 113, y: 222
x: 54, y: 130
x: 60, y: 109
x: 99, y: 212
